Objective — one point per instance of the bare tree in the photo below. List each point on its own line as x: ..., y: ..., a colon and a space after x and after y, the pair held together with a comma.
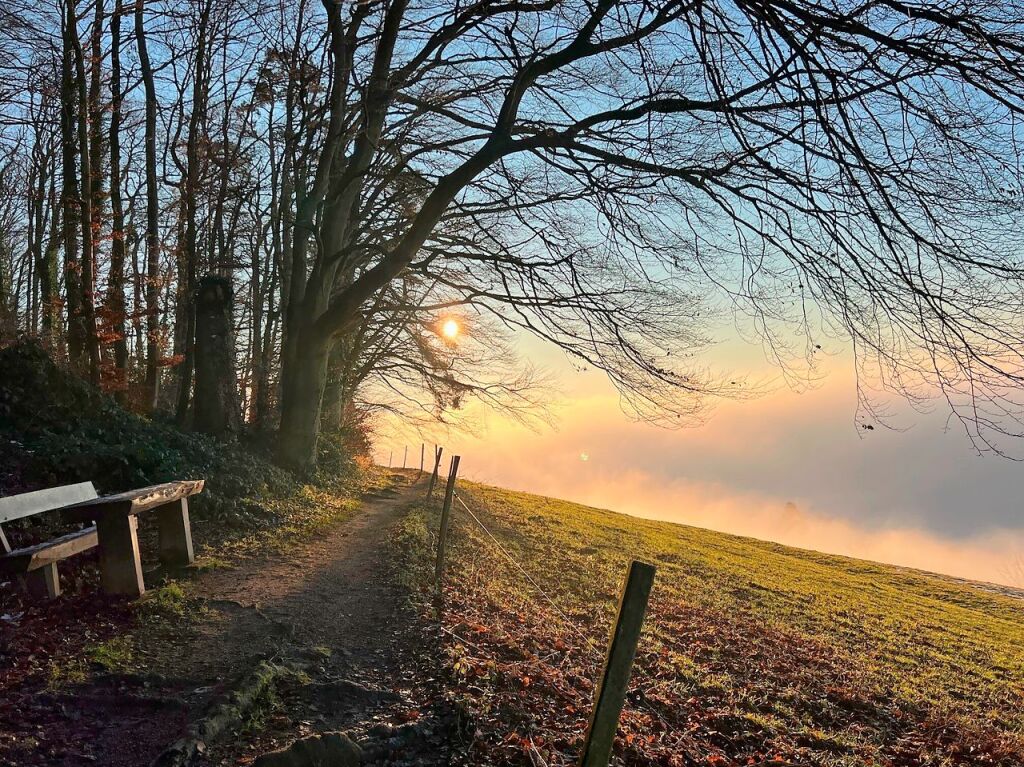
x: 853, y: 164
x: 615, y: 178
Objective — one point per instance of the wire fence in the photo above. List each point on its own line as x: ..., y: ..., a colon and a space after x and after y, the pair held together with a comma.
x: 547, y: 604
x: 569, y: 622
x: 558, y: 611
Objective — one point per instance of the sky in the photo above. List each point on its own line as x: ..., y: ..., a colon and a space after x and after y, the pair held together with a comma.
x: 788, y: 466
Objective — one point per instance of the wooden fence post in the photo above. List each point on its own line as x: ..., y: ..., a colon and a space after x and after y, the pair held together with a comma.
x: 442, y: 535
x: 611, y: 688
x: 423, y: 448
x: 391, y: 456
x: 405, y: 456
x: 437, y: 464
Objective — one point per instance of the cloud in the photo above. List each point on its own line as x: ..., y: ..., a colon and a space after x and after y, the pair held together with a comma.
x: 990, y: 557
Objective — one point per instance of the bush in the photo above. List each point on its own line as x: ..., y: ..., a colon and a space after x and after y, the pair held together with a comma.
x: 57, y: 429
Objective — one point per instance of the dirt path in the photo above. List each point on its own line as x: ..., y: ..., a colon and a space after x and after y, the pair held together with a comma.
x: 336, y: 604
x: 332, y: 605
x: 336, y: 592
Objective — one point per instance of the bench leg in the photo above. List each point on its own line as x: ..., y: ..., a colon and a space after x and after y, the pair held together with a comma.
x: 175, y: 534
x: 120, y: 563
x: 43, y: 582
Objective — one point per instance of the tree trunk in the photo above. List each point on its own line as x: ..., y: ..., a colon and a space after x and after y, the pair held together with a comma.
x: 85, y: 195
x: 47, y: 271
x: 301, y: 396
x: 334, y: 398
x: 263, y: 392
x: 115, y: 303
x: 71, y: 213
x: 152, y: 391
x: 215, y: 406
x: 189, y: 252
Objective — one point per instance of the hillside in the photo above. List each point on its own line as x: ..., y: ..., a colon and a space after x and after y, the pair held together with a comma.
x: 752, y: 651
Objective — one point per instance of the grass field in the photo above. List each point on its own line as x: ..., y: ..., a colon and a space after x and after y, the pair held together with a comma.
x: 753, y: 652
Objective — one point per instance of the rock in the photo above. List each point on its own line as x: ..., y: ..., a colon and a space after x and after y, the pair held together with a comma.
x: 332, y: 749
x: 382, y: 730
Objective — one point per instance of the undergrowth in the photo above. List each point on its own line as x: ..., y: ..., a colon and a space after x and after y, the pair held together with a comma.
x: 57, y: 429
x: 414, y: 542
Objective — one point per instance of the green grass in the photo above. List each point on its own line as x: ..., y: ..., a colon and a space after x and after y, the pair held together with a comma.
x: 751, y: 650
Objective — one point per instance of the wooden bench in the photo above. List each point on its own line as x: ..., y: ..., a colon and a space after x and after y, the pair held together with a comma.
x: 39, y: 563
x: 112, y: 525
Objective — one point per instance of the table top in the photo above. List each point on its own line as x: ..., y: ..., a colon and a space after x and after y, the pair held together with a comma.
x: 132, y: 502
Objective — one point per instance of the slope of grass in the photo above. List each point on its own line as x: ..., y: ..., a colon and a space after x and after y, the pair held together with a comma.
x: 752, y: 651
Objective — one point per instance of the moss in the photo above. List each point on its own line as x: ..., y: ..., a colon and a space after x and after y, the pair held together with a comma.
x: 114, y: 655
x: 66, y: 672
x: 209, y: 563
x: 169, y: 601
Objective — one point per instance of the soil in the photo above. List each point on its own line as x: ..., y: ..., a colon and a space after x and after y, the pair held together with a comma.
x: 332, y: 607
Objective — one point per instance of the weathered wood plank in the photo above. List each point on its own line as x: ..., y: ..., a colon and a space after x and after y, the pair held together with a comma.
x: 175, y: 534
x: 132, y: 502
x: 44, y: 583
x: 28, y: 504
x: 42, y: 554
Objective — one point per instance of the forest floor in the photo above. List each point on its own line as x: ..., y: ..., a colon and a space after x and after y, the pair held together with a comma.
x: 332, y: 614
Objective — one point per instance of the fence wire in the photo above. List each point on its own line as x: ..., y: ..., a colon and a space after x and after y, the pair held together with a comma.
x: 547, y: 598
x: 642, y: 702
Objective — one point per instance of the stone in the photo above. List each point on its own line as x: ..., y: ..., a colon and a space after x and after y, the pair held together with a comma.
x: 331, y: 749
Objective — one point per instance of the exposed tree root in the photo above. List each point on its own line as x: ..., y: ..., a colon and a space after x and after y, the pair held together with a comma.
x: 226, y: 715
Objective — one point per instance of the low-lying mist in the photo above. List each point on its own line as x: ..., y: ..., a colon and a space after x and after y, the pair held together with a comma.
x: 792, y: 468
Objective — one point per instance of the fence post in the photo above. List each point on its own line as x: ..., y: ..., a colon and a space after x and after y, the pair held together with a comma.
x: 391, y: 456
x: 405, y: 456
x: 423, y: 448
x: 437, y: 464
x: 611, y: 688
x: 442, y: 535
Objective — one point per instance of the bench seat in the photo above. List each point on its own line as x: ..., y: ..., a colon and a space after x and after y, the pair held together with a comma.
x: 33, y: 557
x: 37, y: 565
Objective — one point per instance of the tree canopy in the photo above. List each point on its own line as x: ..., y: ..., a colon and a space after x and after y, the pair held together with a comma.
x: 612, y: 177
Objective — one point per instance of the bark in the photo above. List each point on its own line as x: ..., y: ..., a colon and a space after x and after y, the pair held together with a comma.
x: 70, y: 204
x: 48, y: 275
x: 190, y: 192
x: 216, y: 409
x: 333, y: 406
x: 44, y: 255
x: 85, y: 198
x: 301, y: 396
x: 264, y: 400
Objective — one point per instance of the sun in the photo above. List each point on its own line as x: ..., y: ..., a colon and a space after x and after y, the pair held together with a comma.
x: 450, y: 329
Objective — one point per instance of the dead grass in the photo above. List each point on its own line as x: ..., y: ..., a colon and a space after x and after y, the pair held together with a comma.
x: 751, y: 650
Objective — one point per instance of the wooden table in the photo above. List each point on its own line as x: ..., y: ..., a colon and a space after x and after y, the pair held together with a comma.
x: 116, y: 518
